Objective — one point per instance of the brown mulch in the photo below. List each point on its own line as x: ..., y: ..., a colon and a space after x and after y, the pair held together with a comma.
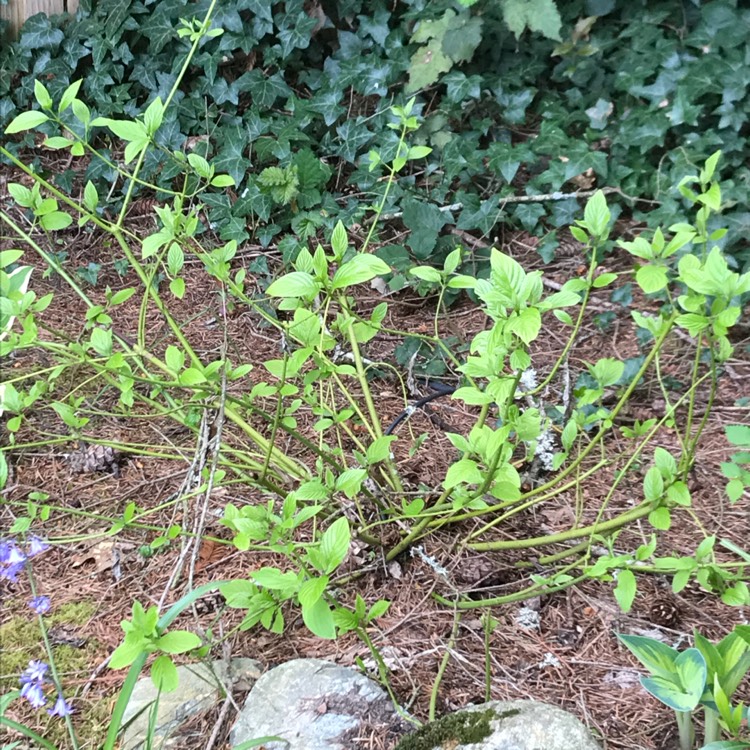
x: 568, y: 656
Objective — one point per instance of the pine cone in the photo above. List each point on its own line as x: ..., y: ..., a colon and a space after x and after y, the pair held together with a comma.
x: 89, y: 459
x: 665, y: 612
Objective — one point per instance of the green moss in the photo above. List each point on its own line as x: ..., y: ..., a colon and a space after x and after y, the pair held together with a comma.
x: 21, y: 643
x: 462, y: 727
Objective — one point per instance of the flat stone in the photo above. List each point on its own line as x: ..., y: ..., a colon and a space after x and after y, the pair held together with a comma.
x: 312, y: 704
x: 200, y: 688
x: 503, y: 725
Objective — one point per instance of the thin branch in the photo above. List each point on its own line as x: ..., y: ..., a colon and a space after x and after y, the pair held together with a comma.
x: 542, y: 198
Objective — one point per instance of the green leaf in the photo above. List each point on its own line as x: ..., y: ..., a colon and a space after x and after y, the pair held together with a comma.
x: 42, y: 95
x: 312, y: 590
x: 536, y: 15
x: 192, y: 376
x: 294, y: 284
x: 222, y: 180
x: 274, y: 579
x: 177, y: 287
x: 360, y: 268
x: 178, y: 642
x: 339, y: 240
x: 464, y: 471
x: 597, y: 214
x: 55, y: 221
x: 526, y: 325
x: 652, y: 278
x: 101, y: 341
x: 319, y: 619
x: 607, y: 371
x: 26, y: 121
x: 200, y: 165
x: 625, y: 590
x: 164, y: 674
x: 660, y: 518
x: 334, y: 545
x: 427, y: 273
x: 128, y: 130
x: 379, y: 449
x: 473, y: 396
x: 69, y: 95
x: 350, y: 481
x: 127, y: 652
x: 738, y: 434
x: 657, y: 657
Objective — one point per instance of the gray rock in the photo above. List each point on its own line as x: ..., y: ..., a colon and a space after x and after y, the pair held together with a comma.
x: 311, y: 704
x: 200, y: 688
x: 504, y: 725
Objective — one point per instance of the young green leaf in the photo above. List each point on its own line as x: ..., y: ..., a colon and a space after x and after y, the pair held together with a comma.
x: 26, y: 121
x: 625, y: 590
x: 178, y: 642
x: 164, y: 674
x: 360, y: 268
x: 294, y: 284
x: 335, y: 544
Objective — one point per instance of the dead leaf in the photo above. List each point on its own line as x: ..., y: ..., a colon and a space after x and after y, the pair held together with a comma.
x: 210, y: 552
x: 105, y: 555
x: 394, y: 570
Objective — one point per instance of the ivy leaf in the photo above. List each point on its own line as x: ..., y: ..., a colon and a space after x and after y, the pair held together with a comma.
x: 298, y: 35
x: 234, y: 228
x: 230, y: 158
x: 427, y: 63
x: 326, y: 102
x: 117, y: 12
x: 462, y: 87
x: 529, y: 214
x: 158, y: 29
x: 536, y: 15
x: 505, y: 159
x: 462, y: 38
x: 353, y: 137
x: 37, y: 33
x: 265, y: 89
x: 425, y: 220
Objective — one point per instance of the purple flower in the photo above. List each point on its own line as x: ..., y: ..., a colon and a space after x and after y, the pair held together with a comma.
x: 36, y: 546
x: 61, y: 708
x: 15, y: 556
x: 10, y: 572
x: 35, y: 672
x: 32, y: 691
x: 40, y: 604
x: 5, y: 548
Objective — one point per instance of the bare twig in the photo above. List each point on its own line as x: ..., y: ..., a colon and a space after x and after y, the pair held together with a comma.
x: 541, y: 198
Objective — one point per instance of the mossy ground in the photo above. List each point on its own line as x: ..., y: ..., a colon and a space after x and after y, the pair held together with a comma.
x: 21, y: 642
x: 461, y: 728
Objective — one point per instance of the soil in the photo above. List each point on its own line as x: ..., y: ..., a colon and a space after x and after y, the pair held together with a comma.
x: 565, y: 652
